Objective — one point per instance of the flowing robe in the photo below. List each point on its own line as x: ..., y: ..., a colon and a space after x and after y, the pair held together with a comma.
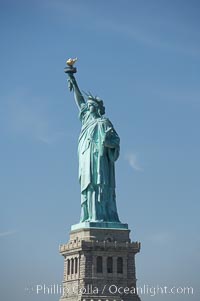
x: 98, y: 149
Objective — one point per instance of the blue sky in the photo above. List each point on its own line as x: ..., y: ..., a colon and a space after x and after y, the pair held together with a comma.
x: 143, y: 59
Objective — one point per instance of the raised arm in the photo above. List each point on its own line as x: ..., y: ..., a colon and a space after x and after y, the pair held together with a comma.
x: 72, y: 84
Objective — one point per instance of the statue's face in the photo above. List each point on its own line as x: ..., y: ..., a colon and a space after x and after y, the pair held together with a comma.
x: 92, y: 108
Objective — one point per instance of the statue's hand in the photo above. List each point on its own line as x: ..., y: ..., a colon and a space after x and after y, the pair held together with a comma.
x: 70, y: 84
x: 70, y: 75
x: 71, y: 81
x: 111, y: 138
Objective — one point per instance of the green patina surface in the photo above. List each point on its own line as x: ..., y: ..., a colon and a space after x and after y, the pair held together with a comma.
x: 98, y: 149
x: 103, y: 225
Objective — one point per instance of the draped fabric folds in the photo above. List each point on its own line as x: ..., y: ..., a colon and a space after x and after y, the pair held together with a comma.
x: 98, y: 149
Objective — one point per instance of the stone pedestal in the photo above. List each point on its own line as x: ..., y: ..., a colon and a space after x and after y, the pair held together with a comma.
x: 99, y: 265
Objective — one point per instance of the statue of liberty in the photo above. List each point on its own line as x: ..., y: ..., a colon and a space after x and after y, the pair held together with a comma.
x: 98, y: 149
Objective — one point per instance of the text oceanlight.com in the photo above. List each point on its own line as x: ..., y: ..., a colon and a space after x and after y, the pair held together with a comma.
x: 112, y: 289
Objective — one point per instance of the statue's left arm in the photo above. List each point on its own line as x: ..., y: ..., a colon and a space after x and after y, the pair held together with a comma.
x: 112, y: 139
x: 112, y: 142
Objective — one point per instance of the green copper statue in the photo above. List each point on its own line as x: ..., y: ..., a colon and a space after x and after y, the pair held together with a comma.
x: 98, y: 149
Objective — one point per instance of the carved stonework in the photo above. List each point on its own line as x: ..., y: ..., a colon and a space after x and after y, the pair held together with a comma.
x: 96, y: 262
